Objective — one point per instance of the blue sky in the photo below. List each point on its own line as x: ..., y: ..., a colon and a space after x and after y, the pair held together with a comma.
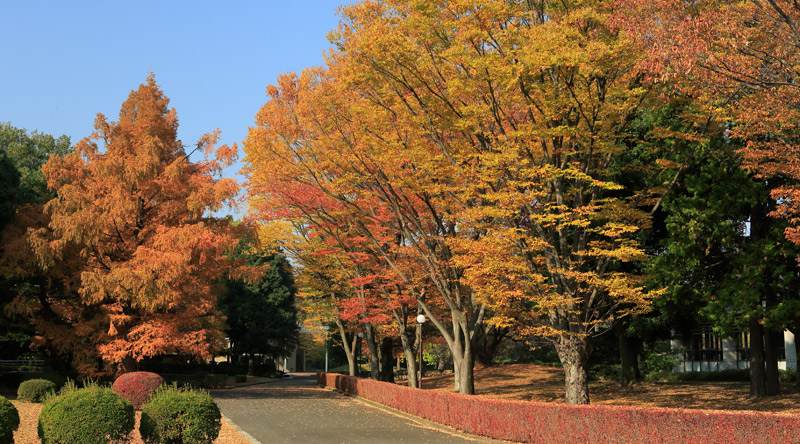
x: 64, y: 62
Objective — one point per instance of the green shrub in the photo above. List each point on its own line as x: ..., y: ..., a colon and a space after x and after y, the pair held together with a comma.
x: 788, y: 375
x: 241, y: 378
x: 35, y: 390
x: 9, y: 421
x: 137, y: 387
x: 659, y: 358
x: 91, y: 415
x: 664, y: 376
x: 605, y: 372
x: 180, y: 416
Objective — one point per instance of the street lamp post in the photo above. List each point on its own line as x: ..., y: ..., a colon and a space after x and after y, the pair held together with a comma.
x: 326, y: 328
x: 358, y: 355
x: 420, y: 321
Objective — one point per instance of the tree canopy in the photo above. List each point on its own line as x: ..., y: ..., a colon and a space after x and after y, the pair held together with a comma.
x: 136, y: 212
x: 261, y: 317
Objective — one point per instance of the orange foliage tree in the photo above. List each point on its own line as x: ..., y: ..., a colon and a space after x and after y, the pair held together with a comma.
x: 493, y: 134
x: 137, y: 211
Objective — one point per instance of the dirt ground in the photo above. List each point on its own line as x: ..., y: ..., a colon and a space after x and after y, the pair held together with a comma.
x: 527, y: 382
x: 29, y: 415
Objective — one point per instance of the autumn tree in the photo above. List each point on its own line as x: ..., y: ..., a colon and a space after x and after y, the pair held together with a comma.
x: 492, y: 134
x: 295, y: 175
x: 321, y: 279
x: 137, y: 210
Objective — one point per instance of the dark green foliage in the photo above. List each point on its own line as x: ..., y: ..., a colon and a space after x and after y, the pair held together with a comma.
x: 241, y: 378
x: 658, y: 357
x: 28, y: 152
x: 722, y: 254
x: 91, y: 415
x: 35, y: 390
x: 262, y: 317
x: 9, y: 421
x: 21, y: 182
x: 741, y: 375
x: 180, y: 416
x: 13, y: 379
x: 9, y: 188
x: 230, y: 368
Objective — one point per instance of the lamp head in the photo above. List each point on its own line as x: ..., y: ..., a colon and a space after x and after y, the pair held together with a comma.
x: 421, y: 319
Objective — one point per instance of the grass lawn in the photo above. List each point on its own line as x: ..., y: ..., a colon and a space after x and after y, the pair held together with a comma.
x: 528, y: 382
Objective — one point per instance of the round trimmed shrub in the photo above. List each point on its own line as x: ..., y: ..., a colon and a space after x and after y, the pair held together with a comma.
x: 137, y: 387
x: 9, y: 421
x: 180, y: 416
x: 91, y: 415
x: 35, y: 390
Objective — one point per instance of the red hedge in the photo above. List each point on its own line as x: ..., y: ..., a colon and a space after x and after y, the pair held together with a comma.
x: 564, y: 423
x: 137, y: 387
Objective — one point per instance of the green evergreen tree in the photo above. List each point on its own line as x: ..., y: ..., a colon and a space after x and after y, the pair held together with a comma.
x: 261, y: 316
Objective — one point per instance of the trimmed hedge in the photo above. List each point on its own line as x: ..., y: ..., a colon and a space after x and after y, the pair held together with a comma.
x: 9, y: 421
x: 137, y: 387
x: 91, y: 415
x: 564, y: 423
x: 35, y: 390
x: 180, y: 416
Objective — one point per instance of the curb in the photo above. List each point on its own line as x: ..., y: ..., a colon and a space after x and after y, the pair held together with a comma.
x: 247, y: 436
x: 246, y: 384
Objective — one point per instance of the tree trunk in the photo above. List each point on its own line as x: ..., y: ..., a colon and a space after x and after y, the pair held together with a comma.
x: 463, y: 361
x: 758, y: 386
x: 411, y: 366
x: 372, y: 346
x: 573, y: 353
x: 466, y: 377
x: 487, y: 346
x: 628, y: 355
x: 408, y: 347
x: 461, y: 340
x: 771, y: 374
x: 128, y: 364
x: 387, y: 353
x: 771, y: 336
x: 349, y: 349
x: 442, y: 364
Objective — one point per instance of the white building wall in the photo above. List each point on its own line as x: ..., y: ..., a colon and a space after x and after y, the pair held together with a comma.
x: 729, y: 361
x: 791, y: 351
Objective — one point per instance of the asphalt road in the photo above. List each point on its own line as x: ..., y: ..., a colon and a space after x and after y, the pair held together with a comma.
x: 298, y: 411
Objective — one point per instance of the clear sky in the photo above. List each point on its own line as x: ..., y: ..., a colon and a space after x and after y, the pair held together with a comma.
x: 66, y: 61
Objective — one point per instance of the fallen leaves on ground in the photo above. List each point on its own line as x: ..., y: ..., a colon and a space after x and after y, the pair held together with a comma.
x: 528, y: 382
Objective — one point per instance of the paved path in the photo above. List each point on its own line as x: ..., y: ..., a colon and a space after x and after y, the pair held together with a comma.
x: 298, y: 411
